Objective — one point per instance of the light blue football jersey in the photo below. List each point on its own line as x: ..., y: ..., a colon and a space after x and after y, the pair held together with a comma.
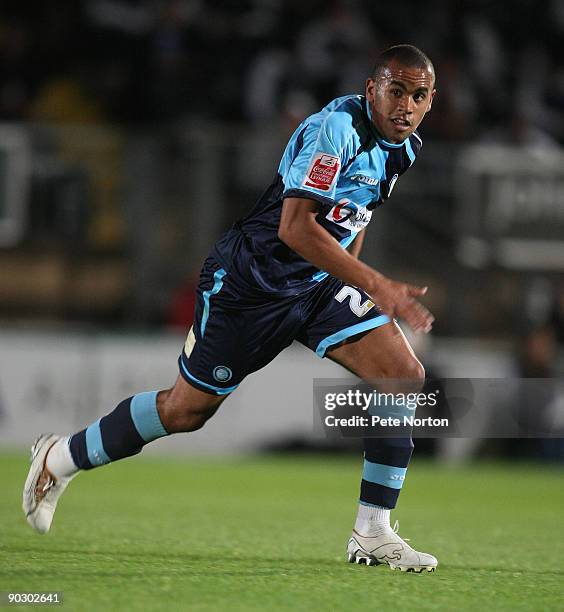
x: 335, y: 157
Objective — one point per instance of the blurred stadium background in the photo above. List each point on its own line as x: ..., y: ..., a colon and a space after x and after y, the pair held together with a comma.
x: 134, y: 133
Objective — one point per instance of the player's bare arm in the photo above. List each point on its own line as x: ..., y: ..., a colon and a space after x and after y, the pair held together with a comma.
x: 356, y: 246
x: 300, y: 231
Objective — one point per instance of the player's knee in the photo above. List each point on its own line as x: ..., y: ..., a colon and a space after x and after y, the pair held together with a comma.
x: 407, y: 376
x: 415, y: 371
x: 178, y: 416
x: 411, y: 369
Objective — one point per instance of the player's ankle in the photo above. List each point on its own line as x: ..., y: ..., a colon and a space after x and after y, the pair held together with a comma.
x: 59, y: 460
x: 372, y: 521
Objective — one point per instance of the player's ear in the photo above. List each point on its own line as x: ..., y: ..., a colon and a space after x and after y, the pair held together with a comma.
x: 370, y: 89
x: 431, y: 100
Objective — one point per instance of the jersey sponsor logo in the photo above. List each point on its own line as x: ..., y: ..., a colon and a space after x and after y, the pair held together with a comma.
x: 344, y: 210
x: 349, y: 215
x: 322, y: 172
x: 368, y: 180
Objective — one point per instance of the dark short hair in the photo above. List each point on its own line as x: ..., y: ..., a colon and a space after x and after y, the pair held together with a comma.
x: 409, y: 55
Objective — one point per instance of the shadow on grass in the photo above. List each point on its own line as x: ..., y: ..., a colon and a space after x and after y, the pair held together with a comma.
x: 199, y: 564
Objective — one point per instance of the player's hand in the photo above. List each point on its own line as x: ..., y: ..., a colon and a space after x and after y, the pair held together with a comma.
x: 399, y: 300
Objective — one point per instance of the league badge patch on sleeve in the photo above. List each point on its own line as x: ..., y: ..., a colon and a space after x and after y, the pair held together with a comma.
x: 322, y: 172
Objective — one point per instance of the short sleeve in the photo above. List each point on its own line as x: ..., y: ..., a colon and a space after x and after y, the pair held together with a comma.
x: 321, y: 152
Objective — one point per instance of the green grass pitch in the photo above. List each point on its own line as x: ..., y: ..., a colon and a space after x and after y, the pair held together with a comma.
x: 268, y: 533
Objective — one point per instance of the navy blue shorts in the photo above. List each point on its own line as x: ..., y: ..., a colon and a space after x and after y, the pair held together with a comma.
x: 237, y: 331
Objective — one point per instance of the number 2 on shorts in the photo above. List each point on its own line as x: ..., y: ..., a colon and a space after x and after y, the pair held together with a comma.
x: 354, y: 303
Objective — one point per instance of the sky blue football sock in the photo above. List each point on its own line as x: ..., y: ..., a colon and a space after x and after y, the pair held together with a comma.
x: 122, y: 433
x: 384, y: 470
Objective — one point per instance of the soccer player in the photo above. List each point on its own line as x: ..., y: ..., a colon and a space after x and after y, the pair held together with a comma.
x: 283, y: 273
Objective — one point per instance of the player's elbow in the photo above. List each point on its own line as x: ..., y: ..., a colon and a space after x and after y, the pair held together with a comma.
x: 288, y: 234
x: 294, y: 239
x: 284, y: 234
x: 296, y: 221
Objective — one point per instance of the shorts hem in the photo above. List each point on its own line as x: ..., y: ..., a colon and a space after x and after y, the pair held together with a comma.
x: 348, y: 332
x: 200, y: 384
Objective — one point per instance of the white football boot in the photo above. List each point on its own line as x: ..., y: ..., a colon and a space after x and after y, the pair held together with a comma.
x: 388, y: 548
x: 42, y: 490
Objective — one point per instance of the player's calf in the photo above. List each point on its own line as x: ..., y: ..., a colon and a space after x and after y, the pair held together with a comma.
x: 184, y: 408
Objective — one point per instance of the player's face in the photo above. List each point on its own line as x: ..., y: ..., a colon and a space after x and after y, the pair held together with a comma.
x: 399, y: 97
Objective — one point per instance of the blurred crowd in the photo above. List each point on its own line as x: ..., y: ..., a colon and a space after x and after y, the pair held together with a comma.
x: 145, y: 63
x: 499, y: 65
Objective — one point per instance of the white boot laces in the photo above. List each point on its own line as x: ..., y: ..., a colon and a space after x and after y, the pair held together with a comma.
x: 48, y: 485
x: 395, y: 529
